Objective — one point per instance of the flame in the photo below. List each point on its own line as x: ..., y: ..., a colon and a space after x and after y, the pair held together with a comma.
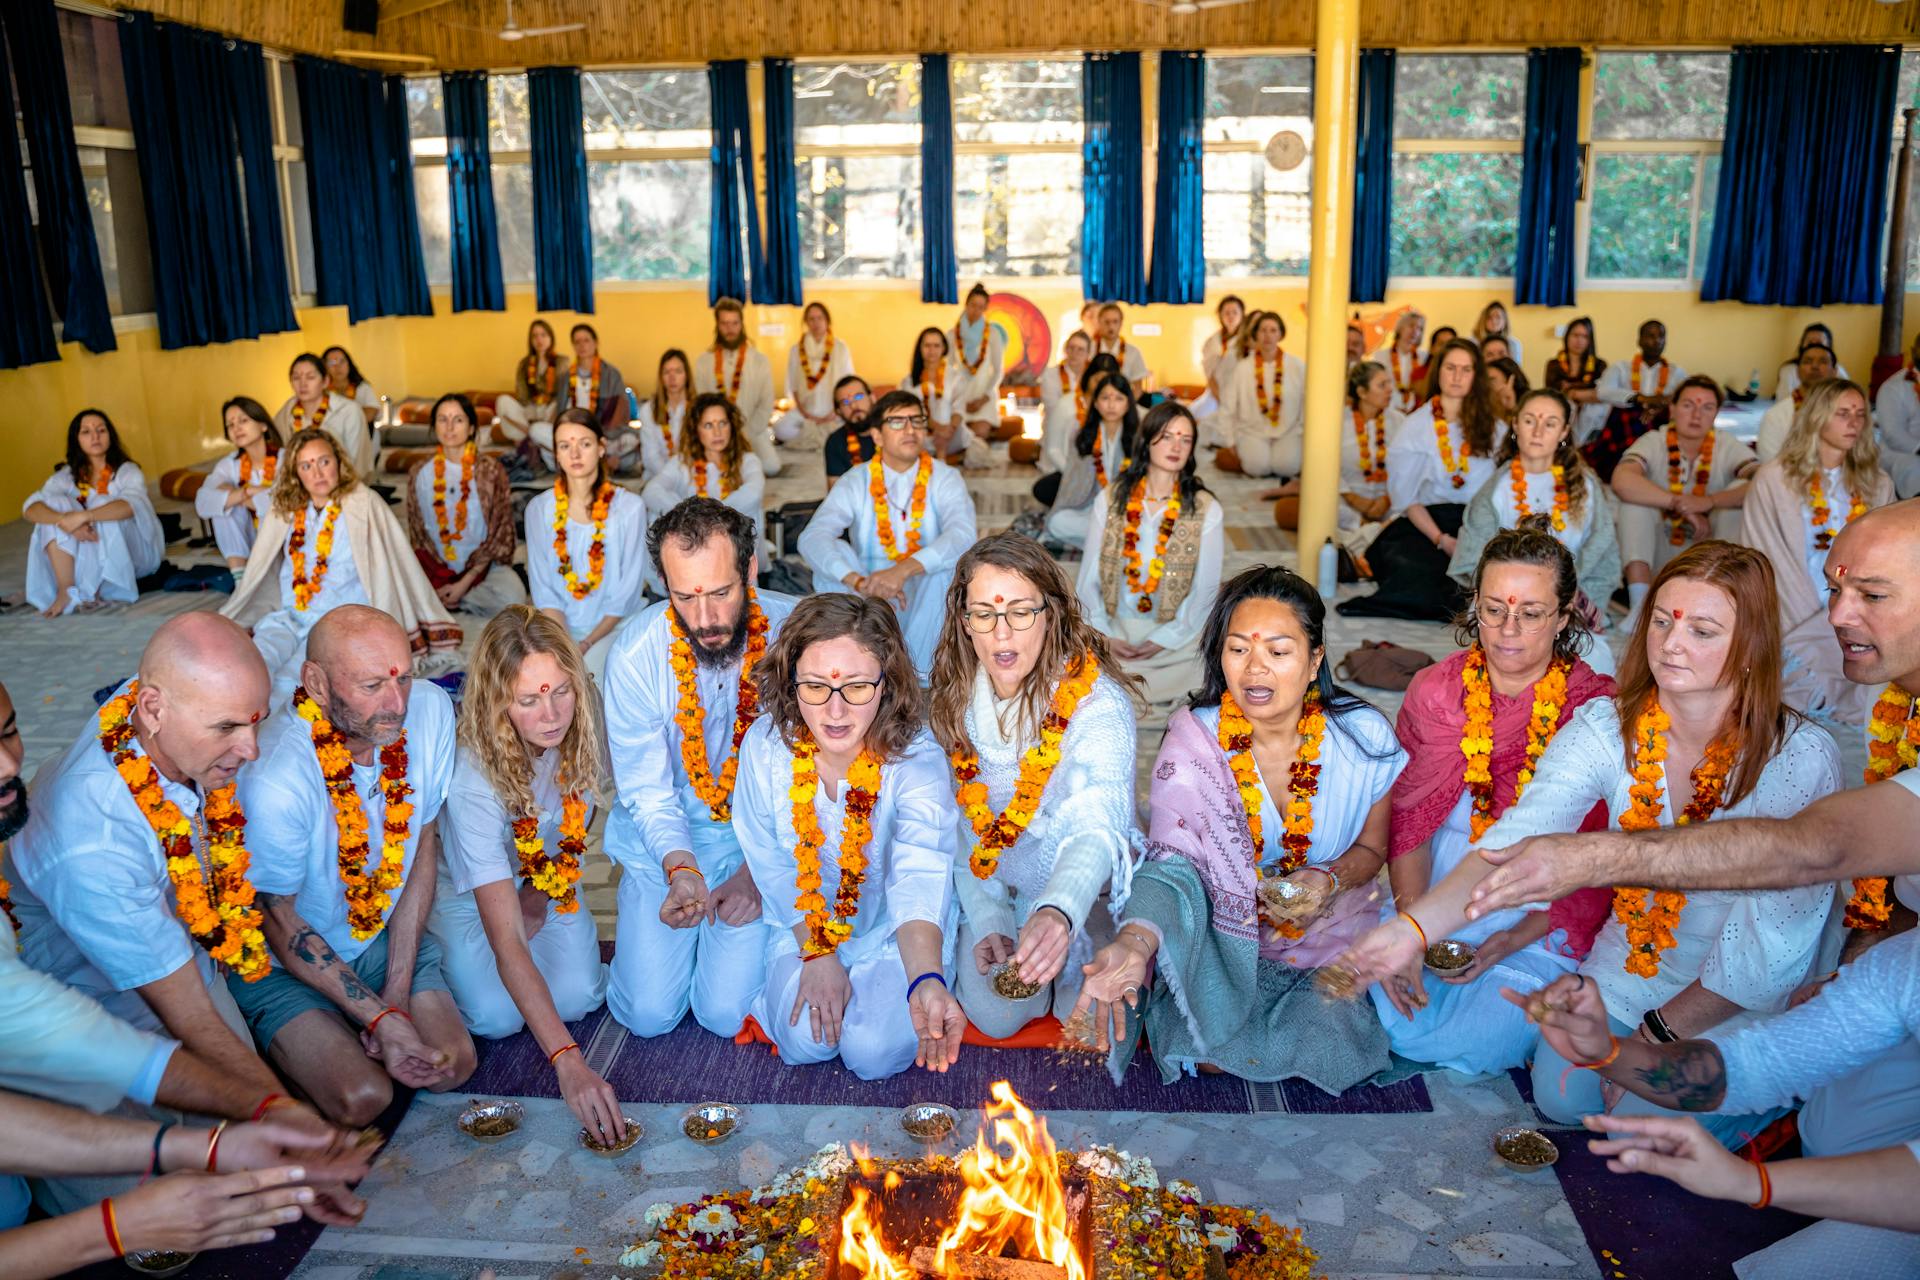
x: 861, y: 1248
x: 1015, y: 1196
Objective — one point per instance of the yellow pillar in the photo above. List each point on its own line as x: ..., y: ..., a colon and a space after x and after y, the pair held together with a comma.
x: 1335, y: 111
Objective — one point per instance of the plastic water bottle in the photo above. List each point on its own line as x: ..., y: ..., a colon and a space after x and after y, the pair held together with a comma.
x: 1753, y: 385
x: 1329, y: 571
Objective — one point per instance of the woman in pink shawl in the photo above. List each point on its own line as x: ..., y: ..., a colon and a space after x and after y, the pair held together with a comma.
x: 1268, y: 832
x: 1524, y: 637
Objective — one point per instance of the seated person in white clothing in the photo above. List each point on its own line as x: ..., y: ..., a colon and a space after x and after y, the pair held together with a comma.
x: 240, y: 486
x: 1402, y: 360
x: 1107, y: 341
x: 356, y: 1001
x: 518, y: 947
x: 1639, y: 393
x: 1494, y: 323
x: 1816, y: 364
x: 1496, y: 347
x: 928, y: 375
x: 597, y: 388
x: 585, y: 541
x: 344, y: 379
x: 845, y: 814
x: 540, y: 384
x: 713, y: 461
x: 1896, y: 413
x: 814, y: 364
x: 1101, y: 450
x: 979, y: 362
x: 459, y: 512
x: 1264, y: 404
x: 1063, y: 406
x: 1789, y: 374
x: 1027, y: 698
x: 1217, y: 354
x: 851, y: 442
x: 94, y: 531
x: 894, y: 528
x: 1356, y: 344
x: 733, y: 367
x: 314, y: 404
x: 663, y: 414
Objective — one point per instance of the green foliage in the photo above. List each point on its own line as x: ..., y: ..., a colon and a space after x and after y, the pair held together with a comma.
x: 1454, y: 214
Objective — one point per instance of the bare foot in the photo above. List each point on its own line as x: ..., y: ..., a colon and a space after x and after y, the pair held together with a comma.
x: 59, y: 605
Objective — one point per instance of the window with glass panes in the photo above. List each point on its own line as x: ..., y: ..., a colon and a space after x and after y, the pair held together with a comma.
x: 1018, y: 126
x: 857, y: 156
x: 1257, y: 165
x: 649, y: 181
x: 1658, y: 119
x: 1458, y: 119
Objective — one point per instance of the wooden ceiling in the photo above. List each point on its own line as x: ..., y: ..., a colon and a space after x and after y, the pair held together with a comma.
x: 461, y: 33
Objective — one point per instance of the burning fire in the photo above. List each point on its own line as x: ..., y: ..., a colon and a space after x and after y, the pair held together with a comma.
x: 1013, y: 1196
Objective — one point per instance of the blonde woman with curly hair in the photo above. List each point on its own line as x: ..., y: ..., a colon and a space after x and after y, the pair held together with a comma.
x: 519, y: 947
x: 1827, y: 473
x: 328, y: 540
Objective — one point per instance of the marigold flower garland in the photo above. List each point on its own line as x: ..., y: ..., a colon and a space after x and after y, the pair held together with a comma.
x: 1822, y: 512
x: 1677, y: 534
x: 1476, y: 737
x: 1099, y: 463
x: 215, y: 904
x: 554, y: 875
x: 1586, y: 367
x: 268, y: 468
x: 1403, y: 382
x: 596, y: 552
x: 6, y: 904
x: 931, y: 391
x: 960, y: 346
x: 1269, y: 408
x: 541, y: 394
x: 593, y: 386
x: 449, y: 540
x: 319, y: 415
x: 1650, y: 928
x: 1130, y: 543
x: 916, y: 506
x: 368, y: 895
x: 1893, y: 746
x: 1079, y: 390
x: 825, y: 932
x: 1640, y: 363
x: 1303, y: 783
x: 85, y: 486
x: 996, y: 833
x: 739, y: 371
x: 306, y: 588
x: 1373, y: 459
x: 811, y: 375
x: 1560, y: 498
x: 700, y: 480
x: 715, y: 793
x: 1456, y: 468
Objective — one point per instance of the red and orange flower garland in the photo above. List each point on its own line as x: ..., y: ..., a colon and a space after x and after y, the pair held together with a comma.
x: 1702, y: 469
x: 1560, y: 498
x: 299, y: 413
x: 811, y: 375
x: 715, y: 793
x: 1269, y: 408
x: 1639, y: 364
x: 593, y: 387
x: 1586, y: 368
x: 1650, y: 927
x: 449, y: 539
x: 542, y: 394
x: 916, y: 506
x: 1456, y: 468
x: 6, y: 904
x: 995, y: 833
x: 268, y: 468
x: 700, y: 480
x: 86, y: 486
x: 1476, y: 736
x: 369, y: 895
x: 554, y: 874
x: 1303, y: 783
x: 1099, y: 463
x: 596, y: 553
x: 1130, y: 544
x: 934, y: 389
x: 826, y: 931
x: 1822, y: 512
x: 739, y: 371
x: 305, y: 588
x: 960, y: 347
x: 1079, y: 390
x: 215, y: 904
x: 1893, y: 747
x: 1373, y: 458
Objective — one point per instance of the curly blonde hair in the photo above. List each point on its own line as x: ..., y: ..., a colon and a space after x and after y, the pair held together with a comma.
x: 513, y: 635
x: 289, y: 495
x: 1800, y: 453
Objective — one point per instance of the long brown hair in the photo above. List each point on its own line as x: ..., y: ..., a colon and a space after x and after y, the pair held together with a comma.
x: 513, y: 635
x: 1477, y: 417
x: 1067, y: 636
x: 1566, y: 455
x: 1800, y: 452
x: 658, y: 406
x: 289, y: 495
x: 1757, y: 721
x: 693, y: 453
x: 868, y: 623
x: 553, y: 345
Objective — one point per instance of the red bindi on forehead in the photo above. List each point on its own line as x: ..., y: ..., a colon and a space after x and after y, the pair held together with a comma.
x: 999, y: 599
x: 254, y: 718
x: 545, y: 687
x: 394, y: 672
x: 1679, y: 613
x: 1839, y: 571
x: 1513, y: 599
x: 699, y: 590
x: 834, y: 674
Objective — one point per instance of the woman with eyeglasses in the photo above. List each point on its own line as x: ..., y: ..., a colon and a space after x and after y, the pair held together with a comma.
x: 1697, y: 732
x: 1038, y: 723
x: 847, y: 822
x: 1539, y: 471
x: 1268, y: 829
x: 893, y: 527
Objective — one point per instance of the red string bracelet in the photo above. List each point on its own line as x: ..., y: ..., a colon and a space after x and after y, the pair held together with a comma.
x: 383, y: 1013
x: 1766, y: 1185
x: 554, y: 1057
x: 112, y: 1228
x: 1416, y: 927
x: 271, y: 1100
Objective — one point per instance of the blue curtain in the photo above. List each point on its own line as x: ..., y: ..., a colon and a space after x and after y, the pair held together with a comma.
x: 1803, y: 176
x: 939, y: 265
x: 1373, y: 178
x: 472, y: 231
x: 26, y: 322
x: 1179, y: 271
x: 1549, y: 180
x: 68, y: 253
x: 781, y: 283
x: 562, y: 229
x: 219, y: 269
x: 366, y: 243
x: 734, y: 206
x: 1112, y: 251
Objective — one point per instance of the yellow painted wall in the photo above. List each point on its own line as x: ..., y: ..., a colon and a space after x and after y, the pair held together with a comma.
x: 166, y: 403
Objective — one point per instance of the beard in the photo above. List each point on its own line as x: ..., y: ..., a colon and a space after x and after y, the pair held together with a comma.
x: 734, y: 343
x: 381, y: 730
x: 13, y: 809
x: 716, y: 650
x: 857, y: 415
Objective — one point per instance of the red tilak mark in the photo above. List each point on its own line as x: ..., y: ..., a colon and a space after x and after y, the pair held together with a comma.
x: 834, y: 674
x: 394, y: 672
x: 698, y: 590
x: 1256, y: 637
x: 545, y: 687
x: 1840, y: 571
x: 254, y: 718
x: 1513, y: 599
x: 999, y: 599
x: 1678, y: 614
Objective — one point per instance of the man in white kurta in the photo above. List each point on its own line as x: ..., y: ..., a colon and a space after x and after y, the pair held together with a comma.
x: 843, y: 546
x: 1896, y: 412
x: 815, y: 365
x: 678, y: 853
x: 356, y: 999
x: 1816, y: 364
x: 1649, y: 379
x: 736, y: 369
x: 1062, y: 392
x: 1133, y: 361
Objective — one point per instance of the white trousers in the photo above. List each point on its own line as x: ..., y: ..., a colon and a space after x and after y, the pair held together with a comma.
x: 1874, y: 1106
x: 102, y: 569
x: 1267, y: 453
x: 499, y: 588
x: 281, y: 637
x: 233, y: 531
x: 659, y: 973
x: 566, y: 951
x: 517, y: 418
x: 1643, y: 533
x: 1835, y: 1251
x: 876, y: 1032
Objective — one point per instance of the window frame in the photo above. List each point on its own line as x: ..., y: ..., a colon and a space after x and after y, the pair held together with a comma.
x: 857, y: 151
x: 1248, y: 147
x: 1077, y: 150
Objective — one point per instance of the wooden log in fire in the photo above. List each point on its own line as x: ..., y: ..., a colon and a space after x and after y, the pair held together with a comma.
x: 978, y: 1266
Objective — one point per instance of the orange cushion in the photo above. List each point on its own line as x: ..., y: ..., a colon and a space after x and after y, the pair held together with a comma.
x: 398, y: 462
x: 182, y: 483
x: 1187, y: 390
x: 1041, y: 1033
x: 419, y: 413
x: 485, y: 401
x: 1023, y: 450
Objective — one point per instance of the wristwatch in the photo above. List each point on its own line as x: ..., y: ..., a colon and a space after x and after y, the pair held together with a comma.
x: 1657, y: 1027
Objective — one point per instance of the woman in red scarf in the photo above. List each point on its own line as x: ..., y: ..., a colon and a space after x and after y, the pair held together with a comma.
x: 1468, y: 725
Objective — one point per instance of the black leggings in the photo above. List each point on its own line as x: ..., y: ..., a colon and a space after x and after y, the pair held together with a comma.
x: 1412, y: 572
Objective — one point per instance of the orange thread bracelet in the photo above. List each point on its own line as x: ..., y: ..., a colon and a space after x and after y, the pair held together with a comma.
x: 112, y: 1228
x: 1766, y: 1186
x: 1604, y: 1062
x: 1416, y: 927
x: 383, y: 1013
x: 267, y: 1103
x: 554, y: 1057
x: 686, y: 866
x: 213, y: 1147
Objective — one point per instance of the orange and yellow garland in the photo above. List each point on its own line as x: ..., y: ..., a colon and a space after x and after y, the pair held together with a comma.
x: 739, y: 371
x: 1476, y: 737
x: 1822, y: 512
x: 593, y: 387
x: 449, y: 539
x: 6, y: 904
x: 541, y: 395
x: 960, y: 346
x: 306, y: 588
x: 1650, y: 928
x: 1373, y: 458
x: 299, y: 413
x: 916, y: 506
x: 811, y: 375
x: 996, y: 833
x: 715, y: 793
x: 596, y: 553
x: 368, y: 895
x: 1269, y: 408
x: 1067, y: 383
x: 700, y: 480
x: 554, y: 875
x: 1702, y: 469
x: 268, y: 468
x: 1303, y: 783
x: 1640, y: 363
x: 1560, y: 500
x: 1130, y: 543
x: 931, y: 391
x: 825, y: 932
x: 86, y: 487
x: 1893, y: 746
x: 1456, y: 468
x: 216, y: 904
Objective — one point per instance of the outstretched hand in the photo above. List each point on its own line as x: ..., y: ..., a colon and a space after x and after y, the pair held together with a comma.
x: 1537, y: 869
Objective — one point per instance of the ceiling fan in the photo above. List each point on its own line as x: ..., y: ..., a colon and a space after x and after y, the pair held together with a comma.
x: 1181, y: 8
x: 514, y: 31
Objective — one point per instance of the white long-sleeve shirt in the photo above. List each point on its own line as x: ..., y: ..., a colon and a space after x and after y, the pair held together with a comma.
x: 755, y: 400
x: 674, y: 483
x: 964, y: 386
x: 816, y: 402
x: 1896, y: 411
x: 1133, y: 361
x: 843, y: 537
x: 1060, y: 421
x: 1240, y: 403
x: 624, y: 573
x: 1617, y: 385
x: 657, y: 446
x: 1414, y: 470
x: 1191, y: 616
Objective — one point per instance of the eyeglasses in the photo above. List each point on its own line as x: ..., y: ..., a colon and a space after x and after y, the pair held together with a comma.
x: 1020, y: 618
x: 1531, y: 619
x: 856, y: 693
x: 918, y: 422
x: 847, y: 402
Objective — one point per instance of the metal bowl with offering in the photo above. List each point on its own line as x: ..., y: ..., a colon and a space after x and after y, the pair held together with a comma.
x: 1008, y: 984
x: 159, y: 1262
x: 615, y: 1147
x: 711, y: 1122
x: 491, y: 1121
x: 1524, y: 1150
x: 928, y: 1122
x: 1449, y: 956
x: 1285, y: 901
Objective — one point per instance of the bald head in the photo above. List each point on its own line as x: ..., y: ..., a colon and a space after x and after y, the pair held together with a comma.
x: 1873, y: 595
x: 203, y: 691
x: 353, y: 628
x: 201, y: 649
x: 359, y: 668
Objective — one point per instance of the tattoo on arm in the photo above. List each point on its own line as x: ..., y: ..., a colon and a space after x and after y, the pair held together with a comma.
x: 1688, y: 1076
x: 307, y: 944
